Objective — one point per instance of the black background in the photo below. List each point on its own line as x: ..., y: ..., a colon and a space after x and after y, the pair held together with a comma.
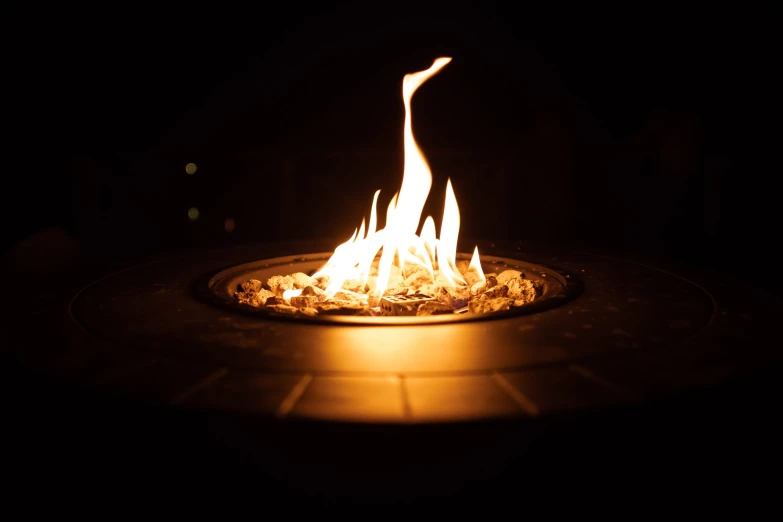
x: 648, y: 129
x: 643, y: 130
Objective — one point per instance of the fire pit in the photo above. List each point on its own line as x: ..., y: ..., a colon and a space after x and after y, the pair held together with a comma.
x: 611, y: 334
x: 165, y: 352
x: 198, y: 329
x: 394, y: 271
x: 448, y: 402
x: 554, y: 288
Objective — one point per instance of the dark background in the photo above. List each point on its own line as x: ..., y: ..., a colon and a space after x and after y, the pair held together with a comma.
x: 646, y: 130
x: 643, y: 130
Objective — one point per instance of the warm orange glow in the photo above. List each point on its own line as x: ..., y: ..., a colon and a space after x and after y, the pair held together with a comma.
x: 397, y: 241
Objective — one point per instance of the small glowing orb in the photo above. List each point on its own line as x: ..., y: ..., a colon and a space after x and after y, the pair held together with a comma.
x: 230, y: 224
x: 193, y: 214
x: 190, y: 168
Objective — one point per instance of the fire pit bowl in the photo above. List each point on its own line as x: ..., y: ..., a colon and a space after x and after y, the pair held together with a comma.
x: 606, y: 331
x: 557, y: 288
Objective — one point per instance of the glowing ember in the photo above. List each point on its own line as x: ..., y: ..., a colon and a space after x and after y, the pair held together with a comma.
x: 414, y: 274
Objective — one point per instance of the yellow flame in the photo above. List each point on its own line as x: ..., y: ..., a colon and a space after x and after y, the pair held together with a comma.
x: 416, y: 182
x: 288, y: 294
x: 428, y: 236
x: 475, y: 264
x: 417, y: 178
x: 397, y: 241
x: 447, y: 244
x: 373, y: 215
x: 361, y: 231
x: 369, y: 245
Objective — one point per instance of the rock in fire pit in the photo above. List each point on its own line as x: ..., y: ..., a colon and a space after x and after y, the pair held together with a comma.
x: 417, y: 293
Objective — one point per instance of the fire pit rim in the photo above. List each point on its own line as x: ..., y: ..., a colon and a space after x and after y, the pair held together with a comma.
x: 208, y: 288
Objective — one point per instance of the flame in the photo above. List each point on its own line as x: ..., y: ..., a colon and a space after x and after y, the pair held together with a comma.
x: 447, y: 244
x: 288, y: 294
x: 475, y: 265
x: 397, y: 241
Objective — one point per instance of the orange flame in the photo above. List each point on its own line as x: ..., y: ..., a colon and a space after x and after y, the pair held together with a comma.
x: 398, y: 241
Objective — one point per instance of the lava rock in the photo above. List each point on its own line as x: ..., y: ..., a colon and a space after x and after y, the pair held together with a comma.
x: 454, y: 297
x: 279, y: 284
x: 418, y: 277
x: 485, y: 306
x: 521, y: 289
x: 301, y: 280
x: 495, y: 292
x: 264, y: 295
x: 472, y: 277
x: 314, y: 291
x: 283, y: 309
x: 507, y: 275
x: 304, y: 301
x: 335, y: 309
x: 430, y: 289
x: 434, y: 308
x: 396, y: 290
x: 248, y: 298
x: 253, y: 285
x: 274, y: 301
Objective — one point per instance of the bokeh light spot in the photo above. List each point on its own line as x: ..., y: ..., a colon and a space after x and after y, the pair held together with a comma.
x: 190, y: 168
x: 193, y: 214
x: 230, y: 224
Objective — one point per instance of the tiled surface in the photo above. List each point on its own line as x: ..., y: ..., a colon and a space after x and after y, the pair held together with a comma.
x: 457, y: 398
x: 653, y: 374
x: 364, y: 399
x: 635, y: 333
x: 161, y: 381
x: 395, y: 399
x: 622, y: 308
x: 245, y: 392
x: 97, y: 365
x: 558, y: 389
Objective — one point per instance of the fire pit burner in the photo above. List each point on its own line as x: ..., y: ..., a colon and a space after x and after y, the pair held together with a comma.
x: 556, y: 288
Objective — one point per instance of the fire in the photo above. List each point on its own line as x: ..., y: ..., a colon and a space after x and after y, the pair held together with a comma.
x: 398, y: 241
x: 395, y: 271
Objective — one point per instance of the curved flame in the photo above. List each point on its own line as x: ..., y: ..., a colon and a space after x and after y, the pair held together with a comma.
x: 416, y: 181
x: 398, y: 241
